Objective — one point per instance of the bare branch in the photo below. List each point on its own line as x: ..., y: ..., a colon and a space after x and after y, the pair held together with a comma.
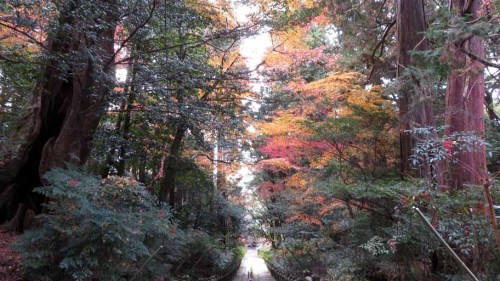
x: 209, y: 158
x: 381, y: 46
x: 132, y: 34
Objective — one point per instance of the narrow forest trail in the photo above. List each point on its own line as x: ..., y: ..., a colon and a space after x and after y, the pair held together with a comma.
x: 252, y: 262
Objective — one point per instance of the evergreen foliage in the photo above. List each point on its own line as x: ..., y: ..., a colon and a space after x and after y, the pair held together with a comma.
x: 109, y: 230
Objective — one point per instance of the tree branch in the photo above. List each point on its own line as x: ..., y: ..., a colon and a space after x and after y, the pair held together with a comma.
x: 477, y: 58
x: 381, y: 45
x: 132, y: 34
x: 209, y: 158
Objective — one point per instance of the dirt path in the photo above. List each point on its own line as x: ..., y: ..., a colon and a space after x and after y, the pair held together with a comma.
x: 253, y: 263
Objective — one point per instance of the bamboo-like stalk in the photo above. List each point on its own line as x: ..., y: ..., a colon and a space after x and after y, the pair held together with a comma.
x: 450, y: 250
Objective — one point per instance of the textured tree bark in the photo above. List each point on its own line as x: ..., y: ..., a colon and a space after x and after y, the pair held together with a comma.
x: 464, y: 111
x: 415, y: 107
x: 64, y: 112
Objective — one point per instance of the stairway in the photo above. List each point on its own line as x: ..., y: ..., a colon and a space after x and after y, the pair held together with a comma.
x: 252, y: 262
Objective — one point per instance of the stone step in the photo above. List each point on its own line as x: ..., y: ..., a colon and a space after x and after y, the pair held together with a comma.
x: 252, y: 261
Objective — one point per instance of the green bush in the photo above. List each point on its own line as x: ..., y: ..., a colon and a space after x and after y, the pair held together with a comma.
x: 199, y: 256
x: 108, y: 230
x: 265, y: 254
x: 239, y: 252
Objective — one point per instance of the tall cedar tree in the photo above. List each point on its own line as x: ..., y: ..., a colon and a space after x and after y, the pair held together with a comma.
x: 465, y: 99
x: 415, y: 110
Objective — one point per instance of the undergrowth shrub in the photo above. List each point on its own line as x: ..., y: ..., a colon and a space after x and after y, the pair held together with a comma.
x: 382, y: 238
x: 109, y: 230
x: 198, y: 255
x: 403, y: 248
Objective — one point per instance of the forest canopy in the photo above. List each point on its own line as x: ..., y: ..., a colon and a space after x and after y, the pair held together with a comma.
x: 140, y: 135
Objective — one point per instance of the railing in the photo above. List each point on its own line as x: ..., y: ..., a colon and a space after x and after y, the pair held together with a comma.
x: 280, y: 274
x: 228, y: 276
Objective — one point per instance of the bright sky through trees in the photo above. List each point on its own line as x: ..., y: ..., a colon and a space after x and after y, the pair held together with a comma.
x: 255, y: 47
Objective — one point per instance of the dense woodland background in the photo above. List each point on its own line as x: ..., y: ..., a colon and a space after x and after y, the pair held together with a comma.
x: 125, y: 126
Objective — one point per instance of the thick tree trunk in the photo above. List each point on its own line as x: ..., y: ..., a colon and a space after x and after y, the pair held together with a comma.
x: 415, y: 107
x: 464, y: 114
x: 465, y: 104
x: 65, y: 110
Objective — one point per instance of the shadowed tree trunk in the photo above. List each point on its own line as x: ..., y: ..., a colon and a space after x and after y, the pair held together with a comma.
x: 122, y: 126
x: 109, y: 157
x: 167, y: 187
x: 492, y: 115
x: 465, y: 102
x: 126, y: 125
x: 415, y: 107
x: 494, y: 124
x: 65, y: 109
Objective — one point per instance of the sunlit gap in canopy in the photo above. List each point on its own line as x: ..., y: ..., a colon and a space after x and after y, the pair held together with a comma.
x: 252, y: 48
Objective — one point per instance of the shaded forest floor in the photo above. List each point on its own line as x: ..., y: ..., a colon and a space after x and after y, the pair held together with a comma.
x: 9, y: 260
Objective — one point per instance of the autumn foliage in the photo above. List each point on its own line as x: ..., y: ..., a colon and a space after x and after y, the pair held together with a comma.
x: 328, y: 123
